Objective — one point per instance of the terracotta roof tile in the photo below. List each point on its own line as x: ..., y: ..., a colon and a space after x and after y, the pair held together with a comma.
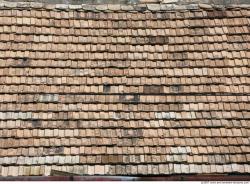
x: 126, y: 93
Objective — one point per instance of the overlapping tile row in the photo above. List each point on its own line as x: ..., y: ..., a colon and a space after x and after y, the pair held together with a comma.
x: 124, y: 93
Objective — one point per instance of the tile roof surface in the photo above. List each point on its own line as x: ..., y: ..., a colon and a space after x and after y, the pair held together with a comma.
x: 124, y: 90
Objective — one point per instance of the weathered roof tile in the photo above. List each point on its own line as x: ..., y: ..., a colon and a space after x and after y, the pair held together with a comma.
x: 62, y: 6
x: 164, y: 85
x: 154, y: 7
x: 102, y: 7
x: 114, y: 7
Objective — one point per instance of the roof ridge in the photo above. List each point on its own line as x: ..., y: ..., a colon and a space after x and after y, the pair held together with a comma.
x: 137, y: 7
